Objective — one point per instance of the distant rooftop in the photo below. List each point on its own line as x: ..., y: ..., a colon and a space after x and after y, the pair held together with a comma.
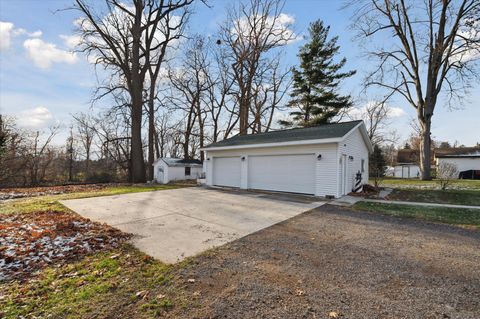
x: 330, y: 130
x: 457, y: 152
x: 170, y: 161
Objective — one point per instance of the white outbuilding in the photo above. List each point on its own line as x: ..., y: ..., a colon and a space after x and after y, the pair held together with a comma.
x: 325, y: 160
x: 465, y: 159
x: 406, y: 170
x: 167, y: 169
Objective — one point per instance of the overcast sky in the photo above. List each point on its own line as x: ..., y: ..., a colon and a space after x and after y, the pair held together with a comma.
x: 42, y: 82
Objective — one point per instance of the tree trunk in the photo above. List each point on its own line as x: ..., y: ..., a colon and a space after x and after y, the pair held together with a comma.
x: 136, y: 89
x: 425, y: 150
x: 157, y: 146
x: 151, y: 134
x: 137, y: 166
x: 87, y: 163
x: 243, y: 114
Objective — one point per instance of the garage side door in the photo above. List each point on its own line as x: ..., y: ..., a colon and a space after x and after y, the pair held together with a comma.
x: 286, y: 173
x: 226, y: 171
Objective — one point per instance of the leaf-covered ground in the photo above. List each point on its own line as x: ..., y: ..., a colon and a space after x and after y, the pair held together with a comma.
x: 29, y: 242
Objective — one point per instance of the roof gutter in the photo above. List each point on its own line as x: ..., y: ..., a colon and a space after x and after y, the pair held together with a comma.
x: 261, y: 145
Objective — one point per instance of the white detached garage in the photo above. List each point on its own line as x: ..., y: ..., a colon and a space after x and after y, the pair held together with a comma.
x: 322, y: 160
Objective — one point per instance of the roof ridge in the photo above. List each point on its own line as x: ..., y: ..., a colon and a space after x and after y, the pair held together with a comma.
x: 300, y: 128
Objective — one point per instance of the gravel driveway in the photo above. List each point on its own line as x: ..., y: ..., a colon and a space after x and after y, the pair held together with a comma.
x: 358, y: 265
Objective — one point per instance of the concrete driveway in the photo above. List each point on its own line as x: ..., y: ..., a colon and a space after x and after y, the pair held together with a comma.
x: 171, y: 225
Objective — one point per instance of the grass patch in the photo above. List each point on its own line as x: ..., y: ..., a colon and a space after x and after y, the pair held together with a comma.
x: 50, y: 202
x: 101, y: 285
x: 98, y: 286
x: 455, y: 216
x: 433, y: 184
x: 449, y: 196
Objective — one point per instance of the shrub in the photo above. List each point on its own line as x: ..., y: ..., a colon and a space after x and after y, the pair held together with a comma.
x: 446, y: 172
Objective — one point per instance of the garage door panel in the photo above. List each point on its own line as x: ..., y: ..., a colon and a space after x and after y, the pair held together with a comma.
x: 287, y: 173
x: 226, y: 171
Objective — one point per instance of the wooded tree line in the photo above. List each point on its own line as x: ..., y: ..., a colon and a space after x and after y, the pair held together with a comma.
x: 170, y: 91
x: 190, y: 90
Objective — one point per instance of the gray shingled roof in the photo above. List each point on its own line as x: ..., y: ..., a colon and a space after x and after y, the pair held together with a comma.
x: 330, y: 130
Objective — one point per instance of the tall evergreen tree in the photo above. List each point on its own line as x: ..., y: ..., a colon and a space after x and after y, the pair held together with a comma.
x: 315, y: 83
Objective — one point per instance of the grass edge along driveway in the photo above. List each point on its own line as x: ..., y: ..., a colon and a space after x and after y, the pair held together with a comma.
x: 449, y: 196
x: 455, y: 216
x: 51, y: 202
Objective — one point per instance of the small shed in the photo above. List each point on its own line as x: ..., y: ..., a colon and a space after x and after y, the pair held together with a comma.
x: 325, y: 160
x: 167, y: 169
x: 406, y: 170
x: 407, y: 164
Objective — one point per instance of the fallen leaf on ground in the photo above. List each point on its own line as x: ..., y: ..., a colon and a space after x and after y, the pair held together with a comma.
x: 142, y: 294
x: 299, y: 292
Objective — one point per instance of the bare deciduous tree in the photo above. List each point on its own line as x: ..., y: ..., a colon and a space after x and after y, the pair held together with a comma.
x: 121, y: 40
x: 377, y: 116
x: 446, y: 172
x: 190, y: 82
x: 40, y: 154
x: 434, y: 49
x: 86, y: 132
x: 252, y: 30
x: 168, y: 30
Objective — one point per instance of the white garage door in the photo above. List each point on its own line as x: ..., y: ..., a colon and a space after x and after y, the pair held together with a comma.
x: 226, y: 171
x: 287, y: 173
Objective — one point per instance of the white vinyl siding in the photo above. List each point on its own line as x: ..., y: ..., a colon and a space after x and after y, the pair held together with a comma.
x: 287, y: 173
x: 462, y: 164
x: 355, y: 149
x: 226, y: 171
x: 326, y: 177
x: 174, y: 173
x: 406, y: 171
x: 324, y: 172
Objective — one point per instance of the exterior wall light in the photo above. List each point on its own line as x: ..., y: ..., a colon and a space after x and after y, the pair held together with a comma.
x: 319, y: 157
x: 243, y: 158
x: 208, y: 159
x: 350, y: 158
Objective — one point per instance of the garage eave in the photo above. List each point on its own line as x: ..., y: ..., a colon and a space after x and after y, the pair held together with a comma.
x: 278, y: 144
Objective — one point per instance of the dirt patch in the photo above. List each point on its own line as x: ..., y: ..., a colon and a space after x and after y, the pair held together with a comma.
x: 12, y: 193
x: 29, y: 242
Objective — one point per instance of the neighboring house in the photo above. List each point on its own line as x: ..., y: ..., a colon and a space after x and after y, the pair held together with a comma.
x: 323, y: 160
x: 407, y: 164
x: 168, y: 169
x: 466, y: 159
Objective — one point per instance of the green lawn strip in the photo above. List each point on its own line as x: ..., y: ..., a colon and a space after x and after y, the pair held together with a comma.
x: 50, y: 202
x: 455, y: 216
x: 98, y: 285
x: 449, y: 196
x: 433, y: 184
